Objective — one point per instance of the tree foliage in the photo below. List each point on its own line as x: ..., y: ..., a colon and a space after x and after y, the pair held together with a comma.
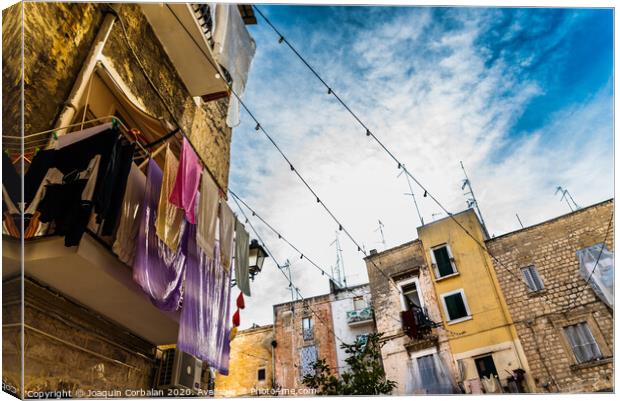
x: 364, y: 376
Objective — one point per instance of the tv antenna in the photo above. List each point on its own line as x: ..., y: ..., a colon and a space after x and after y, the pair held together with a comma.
x: 410, y: 193
x: 380, y: 229
x: 338, y: 270
x: 472, y: 202
x: 287, y: 270
x: 565, y: 196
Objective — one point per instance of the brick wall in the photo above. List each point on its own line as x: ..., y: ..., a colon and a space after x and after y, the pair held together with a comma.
x: 540, y: 317
x: 289, y: 337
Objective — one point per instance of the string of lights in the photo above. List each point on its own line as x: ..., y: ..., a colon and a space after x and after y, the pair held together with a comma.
x: 279, y: 268
x: 302, y: 255
x: 237, y: 199
x: 400, y: 165
x: 260, y: 127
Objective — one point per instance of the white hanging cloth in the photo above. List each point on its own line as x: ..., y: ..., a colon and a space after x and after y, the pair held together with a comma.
x: 602, y: 280
x: 233, y: 49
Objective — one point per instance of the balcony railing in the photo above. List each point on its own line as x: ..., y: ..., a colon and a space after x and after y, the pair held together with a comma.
x: 360, y: 315
x: 416, y: 323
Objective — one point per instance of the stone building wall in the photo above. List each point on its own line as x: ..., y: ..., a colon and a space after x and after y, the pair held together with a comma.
x: 250, y: 351
x: 540, y: 317
x: 69, y: 348
x: 289, y: 337
x: 58, y: 38
x: 401, y: 263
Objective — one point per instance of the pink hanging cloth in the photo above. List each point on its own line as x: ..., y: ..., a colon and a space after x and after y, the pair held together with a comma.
x: 185, y: 188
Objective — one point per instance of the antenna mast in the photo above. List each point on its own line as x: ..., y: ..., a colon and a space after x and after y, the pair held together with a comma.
x: 287, y: 267
x: 472, y: 201
x: 410, y: 193
x: 339, y: 268
x: 565, y: 196
x: 380, y: 229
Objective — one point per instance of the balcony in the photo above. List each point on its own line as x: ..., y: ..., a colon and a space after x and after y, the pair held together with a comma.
x: 360, y: 317
x: 418, y: 326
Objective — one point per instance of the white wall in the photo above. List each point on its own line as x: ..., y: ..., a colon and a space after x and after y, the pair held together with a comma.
x: 341, y: 304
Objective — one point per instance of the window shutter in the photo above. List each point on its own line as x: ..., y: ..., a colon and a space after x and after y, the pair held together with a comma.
x: 434, y: 264
x: 527, y: 273
x: 451, y: 256
x: 538, y: 284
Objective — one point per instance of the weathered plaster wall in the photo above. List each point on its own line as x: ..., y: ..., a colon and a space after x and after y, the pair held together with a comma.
x: 288, y: 334
x: 540, y: 317
x: 340, y: 305
x: 402, y: 263
x: 250, y: 351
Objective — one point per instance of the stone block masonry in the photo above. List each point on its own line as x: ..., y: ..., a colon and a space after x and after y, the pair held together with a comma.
x: 540, y: 317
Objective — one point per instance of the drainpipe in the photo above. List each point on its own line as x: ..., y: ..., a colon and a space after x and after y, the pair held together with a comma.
x: 71, y: 104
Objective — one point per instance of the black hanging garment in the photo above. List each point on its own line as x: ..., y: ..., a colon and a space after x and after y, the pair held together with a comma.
x: 64, y: 202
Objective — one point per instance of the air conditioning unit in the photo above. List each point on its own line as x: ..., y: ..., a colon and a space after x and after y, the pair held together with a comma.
x: 178, y: 369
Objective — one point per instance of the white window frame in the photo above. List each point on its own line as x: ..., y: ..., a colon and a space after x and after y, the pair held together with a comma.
x: 434, y: 262
x: 403, y: 301
x: 532, y: 271
x: 445, y: 306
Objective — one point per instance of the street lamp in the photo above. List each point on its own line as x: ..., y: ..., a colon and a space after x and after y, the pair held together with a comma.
x: 256, y: 258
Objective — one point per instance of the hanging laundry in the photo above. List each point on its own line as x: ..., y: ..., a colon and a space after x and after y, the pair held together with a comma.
x: 108, y: 205
x: 227, y: 229
x: 233, y: 334
x: 65, y: 199
x: 157, y: 269
x: 208, y: 207
x: 125, y: 242
x: 186, y: 183
x: 73, y: 137
x: 170, y: 220
x: 242, y: 249
x: 204, y: 327
x: 233, y: 49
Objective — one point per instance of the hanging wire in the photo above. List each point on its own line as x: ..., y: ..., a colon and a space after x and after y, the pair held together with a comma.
x: 400, y: 165
x: 260, y: 127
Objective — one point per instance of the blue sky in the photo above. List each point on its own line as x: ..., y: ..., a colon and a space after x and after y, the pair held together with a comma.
x: 524, y: 97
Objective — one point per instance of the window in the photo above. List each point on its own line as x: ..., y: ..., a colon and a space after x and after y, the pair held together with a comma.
x: 411, y: 296
x: 307, y: 329
x: 532, y: 279
x: 455, y: 306
x: 443, y: 262
x: 582, y: 342
x: 359, y: 303
x: 261, y: 373
x: 308, y: 358
x: 485, y: 367
x: 428, y: 374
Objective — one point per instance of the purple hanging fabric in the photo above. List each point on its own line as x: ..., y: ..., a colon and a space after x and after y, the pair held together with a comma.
x: 157, y: 269
x: 205, y: 324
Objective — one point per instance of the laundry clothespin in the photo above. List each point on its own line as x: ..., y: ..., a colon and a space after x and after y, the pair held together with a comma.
x: 114, y: 122
x: 36, y: 150
x: 55, y: 135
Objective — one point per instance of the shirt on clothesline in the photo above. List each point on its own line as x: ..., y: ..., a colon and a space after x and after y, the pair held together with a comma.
x: 169, y: 217
x: 242, y: 247
x: 186, y: 183
x: 208, y: 207
x: 227, y: 229
x: 125, y: 241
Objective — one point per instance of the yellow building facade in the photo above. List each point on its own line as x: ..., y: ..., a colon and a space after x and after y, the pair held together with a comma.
x: 481, y: 333
x: 251, y: 365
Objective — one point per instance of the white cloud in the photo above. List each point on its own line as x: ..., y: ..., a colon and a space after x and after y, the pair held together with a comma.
x: 433, y: 103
